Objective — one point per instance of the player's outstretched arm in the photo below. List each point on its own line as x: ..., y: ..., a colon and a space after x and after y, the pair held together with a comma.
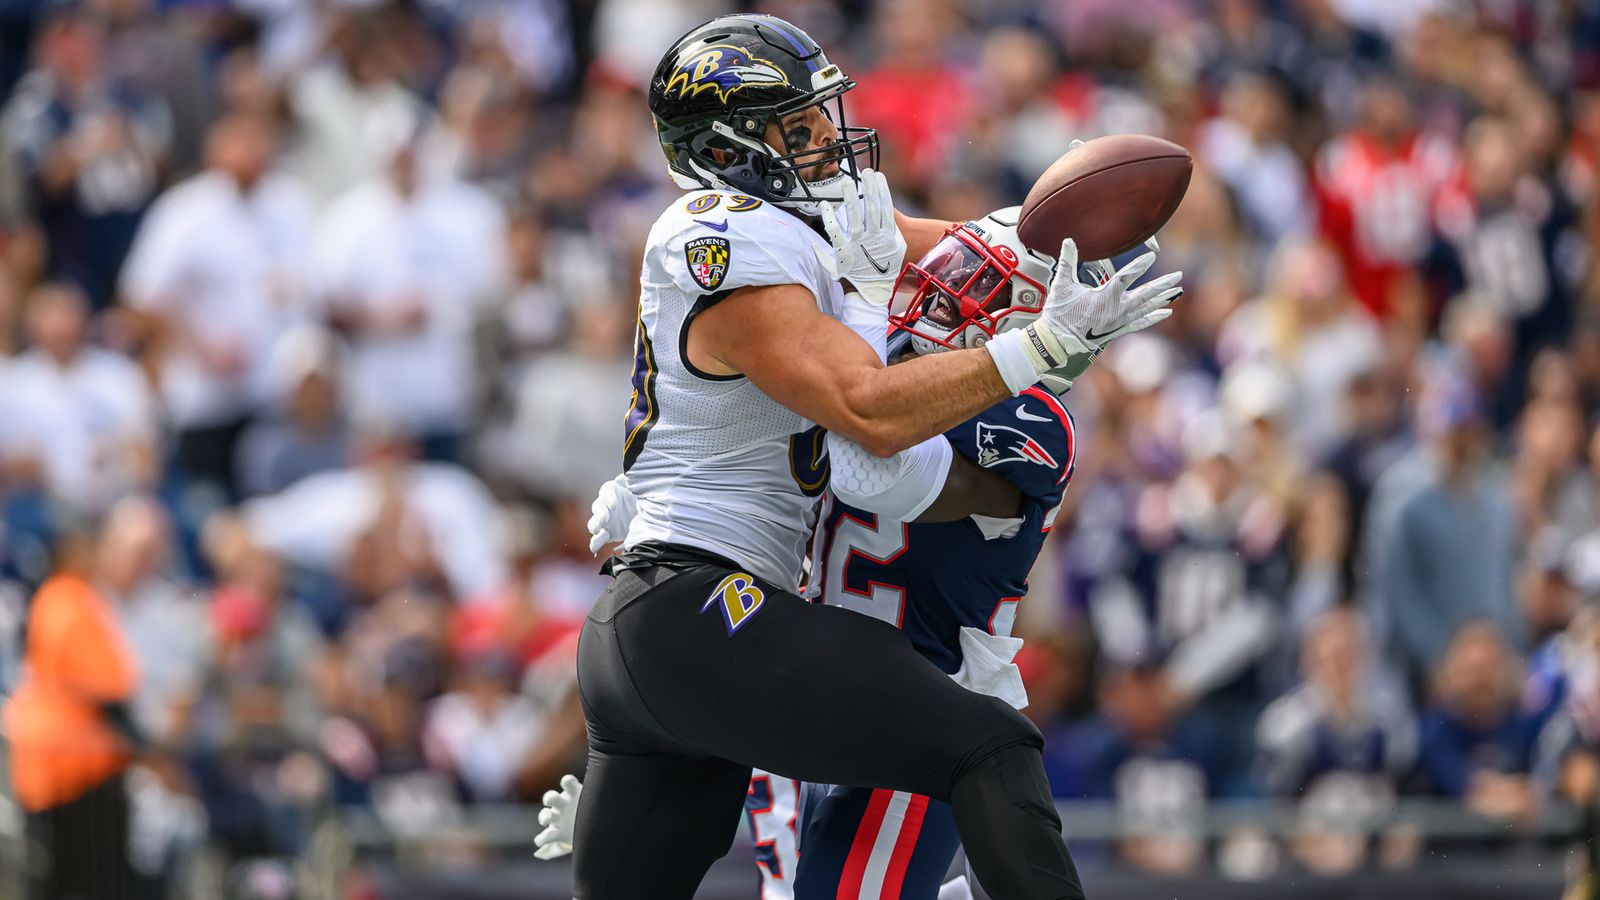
x: 813, y: 364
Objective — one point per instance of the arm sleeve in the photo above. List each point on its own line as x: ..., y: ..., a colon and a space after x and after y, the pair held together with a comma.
x: 900, y: 487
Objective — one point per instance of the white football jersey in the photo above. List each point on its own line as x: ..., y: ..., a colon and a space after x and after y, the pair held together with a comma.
x: 715, y: 463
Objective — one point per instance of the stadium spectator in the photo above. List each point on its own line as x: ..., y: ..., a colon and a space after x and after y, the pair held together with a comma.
x: 1443, y: 535
x: 406, y: 518
x: 402, y: 263
x: 79, y: 416
x: 563, y: 426
x: 1157, y: 764
x: 341, y: 98
x: 1340, y: 744
x: 1247, y: 146
x: 262, y: 708
x: 1376, y: 186
x: 216, y: 271
x: 305, y: 432
x: 1342, y: 719
x: 71, y: 733
x: 165, y: 627
x: 91, y: 148
x: 1200, y: 607
x: 1308, y: 325
x: 482, y: 732
x: 1476, y: 742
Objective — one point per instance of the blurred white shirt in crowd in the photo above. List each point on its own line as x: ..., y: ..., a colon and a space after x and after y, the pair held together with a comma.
x: 435, y: 256
x: 89, y: 425
x: 484, y: 746
x: 1325, y: 361
x: 316, y: 521
x: 224, y: 267
x: 1268, y: 178
x: 564, y: 439
x: 170, y: 636
x: 338, y: 118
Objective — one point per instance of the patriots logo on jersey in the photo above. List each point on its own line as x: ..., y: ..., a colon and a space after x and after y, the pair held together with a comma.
x: 708, y: 260
x: 999, y: 444
x: 724, y: 71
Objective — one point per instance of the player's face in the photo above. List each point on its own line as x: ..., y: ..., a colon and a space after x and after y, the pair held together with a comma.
x: 962, y: 284
x: 809, y: 129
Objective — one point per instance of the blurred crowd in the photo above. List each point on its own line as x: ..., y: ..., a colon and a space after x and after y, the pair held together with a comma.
x: 315, y: 322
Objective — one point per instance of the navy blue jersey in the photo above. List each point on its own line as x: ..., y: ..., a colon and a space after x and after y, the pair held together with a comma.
x: 931, y: 579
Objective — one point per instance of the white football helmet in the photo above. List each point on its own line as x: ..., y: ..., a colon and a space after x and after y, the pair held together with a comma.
x: 977, y: 281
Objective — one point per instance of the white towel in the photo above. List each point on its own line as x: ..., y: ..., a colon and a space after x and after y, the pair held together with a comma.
x: 986, y: 666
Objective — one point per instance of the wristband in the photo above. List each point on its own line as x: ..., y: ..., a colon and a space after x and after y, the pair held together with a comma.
x: 1024, y: 354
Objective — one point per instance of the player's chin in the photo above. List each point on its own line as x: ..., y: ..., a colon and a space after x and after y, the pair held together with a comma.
x: 823, y: 172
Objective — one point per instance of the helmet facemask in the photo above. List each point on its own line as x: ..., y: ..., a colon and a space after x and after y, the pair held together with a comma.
x: 966, y: 290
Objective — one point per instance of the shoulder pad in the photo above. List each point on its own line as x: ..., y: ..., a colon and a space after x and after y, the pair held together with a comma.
x: 713, y: 241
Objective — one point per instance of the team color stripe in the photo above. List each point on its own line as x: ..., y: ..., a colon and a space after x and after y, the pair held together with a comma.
x: 894, y: 879
x: 855, y: 866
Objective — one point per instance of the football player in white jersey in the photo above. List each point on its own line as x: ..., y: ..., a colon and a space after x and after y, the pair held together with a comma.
x: 743, y: 358
x: 953, y: 587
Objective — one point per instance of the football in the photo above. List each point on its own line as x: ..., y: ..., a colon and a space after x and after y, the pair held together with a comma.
x: 1108, y: 194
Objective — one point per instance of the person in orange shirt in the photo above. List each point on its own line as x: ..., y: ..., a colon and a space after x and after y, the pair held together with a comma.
x: 72, y: 738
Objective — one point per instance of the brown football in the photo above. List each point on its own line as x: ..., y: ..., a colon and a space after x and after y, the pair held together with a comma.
x: 1108, y: 194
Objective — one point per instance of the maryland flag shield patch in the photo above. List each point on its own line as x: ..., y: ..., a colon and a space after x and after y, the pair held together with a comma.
x: 708, y: 260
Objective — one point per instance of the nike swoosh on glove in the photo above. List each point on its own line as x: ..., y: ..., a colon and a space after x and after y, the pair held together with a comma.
x: 868, y: 243
x: 1078, y: 320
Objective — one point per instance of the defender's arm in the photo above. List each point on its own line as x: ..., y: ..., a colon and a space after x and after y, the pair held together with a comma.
x: 920, y: 234
x: 970, y: 489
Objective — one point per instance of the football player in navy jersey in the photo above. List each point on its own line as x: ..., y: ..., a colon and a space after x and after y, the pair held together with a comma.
x: 952, y: 587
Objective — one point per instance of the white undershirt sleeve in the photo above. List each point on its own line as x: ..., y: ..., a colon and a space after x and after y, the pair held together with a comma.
x: 900, y: 486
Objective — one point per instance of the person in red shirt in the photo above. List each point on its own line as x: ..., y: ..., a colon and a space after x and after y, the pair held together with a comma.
x: 1375, y: 187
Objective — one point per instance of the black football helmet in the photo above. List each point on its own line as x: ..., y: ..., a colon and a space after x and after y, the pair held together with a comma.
x: 717, y: 89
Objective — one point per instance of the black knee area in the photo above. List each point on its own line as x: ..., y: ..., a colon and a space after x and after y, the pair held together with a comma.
x: 1003, y: 728
x: 1010, y: 829
x: 1011, y: 777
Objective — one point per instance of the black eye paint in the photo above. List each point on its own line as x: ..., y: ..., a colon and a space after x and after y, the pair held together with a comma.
x: 797, y: 138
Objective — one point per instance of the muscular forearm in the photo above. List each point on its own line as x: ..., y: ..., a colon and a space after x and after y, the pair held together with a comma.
x: 903, y: 405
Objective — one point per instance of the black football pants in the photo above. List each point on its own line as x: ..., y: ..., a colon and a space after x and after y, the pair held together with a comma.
x: 692, y: 676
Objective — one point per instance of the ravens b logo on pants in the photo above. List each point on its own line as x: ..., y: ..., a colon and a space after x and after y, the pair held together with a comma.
x: 739, y: 599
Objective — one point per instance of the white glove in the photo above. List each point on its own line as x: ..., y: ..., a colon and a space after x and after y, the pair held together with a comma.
x: 613, y: 510
x: 1079, y: 320
x: 869, y: 244
x: 1101, y: 270
x: 558, y: 816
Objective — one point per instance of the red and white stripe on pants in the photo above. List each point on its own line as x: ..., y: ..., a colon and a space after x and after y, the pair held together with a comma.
x: 885, y: 840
